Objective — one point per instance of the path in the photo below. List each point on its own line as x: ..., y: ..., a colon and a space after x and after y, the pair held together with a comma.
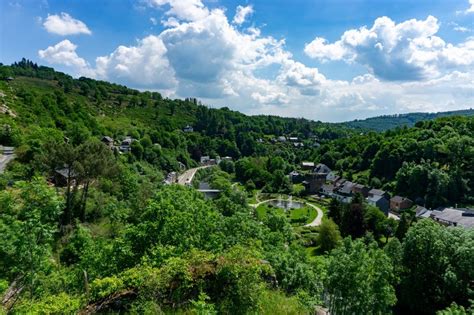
x: 5, y: 158
x: 187, y: 177
x: 315, y: 222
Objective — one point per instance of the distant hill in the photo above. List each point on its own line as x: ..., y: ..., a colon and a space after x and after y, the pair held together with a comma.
x: 382, y: 123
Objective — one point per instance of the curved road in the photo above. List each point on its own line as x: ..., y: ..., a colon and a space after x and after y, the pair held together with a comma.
x: 187, y: 177
x: 315, y: 222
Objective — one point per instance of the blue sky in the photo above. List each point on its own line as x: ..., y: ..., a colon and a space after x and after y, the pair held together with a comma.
x: 329, y: 60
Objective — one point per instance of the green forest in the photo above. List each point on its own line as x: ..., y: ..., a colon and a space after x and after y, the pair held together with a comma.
x: 86, y: 229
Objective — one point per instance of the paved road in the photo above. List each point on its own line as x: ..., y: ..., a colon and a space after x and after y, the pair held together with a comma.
x: 187, y: 177
x: 4, y: 159
x: 315, y: 222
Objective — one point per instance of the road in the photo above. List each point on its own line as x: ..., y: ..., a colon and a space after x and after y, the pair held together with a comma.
x: 315, y: 222
x: 187, y: 177
x: 4, y: 159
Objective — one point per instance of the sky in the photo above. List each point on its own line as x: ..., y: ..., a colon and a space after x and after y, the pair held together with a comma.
x: 327, y: 60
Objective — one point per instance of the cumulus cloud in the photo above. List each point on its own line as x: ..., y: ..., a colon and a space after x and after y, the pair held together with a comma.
x: 242, y: 13
x: 201, y: 53
x: 64, y: 53
x: 64, y: 24
x: 307, y: 80
x: 406, y: 51
x: 143, y: 65
x: 471, y: 8
x: 187, y: 10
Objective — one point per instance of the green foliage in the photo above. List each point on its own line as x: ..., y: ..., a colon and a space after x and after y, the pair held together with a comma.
x: 360, y: 280
x: 328, y: 236
x: 437, y: 267
x: 53, y: 304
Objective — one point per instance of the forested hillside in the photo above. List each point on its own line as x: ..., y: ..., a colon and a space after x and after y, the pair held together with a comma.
x: 431, y: 162
x: 382, y: 123
x: 86, y: 227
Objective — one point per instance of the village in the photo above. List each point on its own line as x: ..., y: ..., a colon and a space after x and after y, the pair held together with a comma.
x: 319, y: 181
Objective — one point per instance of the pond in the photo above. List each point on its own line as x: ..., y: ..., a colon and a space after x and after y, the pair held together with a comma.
x: 286, y: 204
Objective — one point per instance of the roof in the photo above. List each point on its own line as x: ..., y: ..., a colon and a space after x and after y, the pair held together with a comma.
x: 359, y: 186
x: 346, y: 187
x: 294, y: 173
x: 377, y: 192
x: 322, y: 168
x: 375, y: 198
x: 399, y: 199
x: 307, y: 163
x: 328, y: 187
x: 64, y: 172
x: 458, y: 217
x: 107, y: 138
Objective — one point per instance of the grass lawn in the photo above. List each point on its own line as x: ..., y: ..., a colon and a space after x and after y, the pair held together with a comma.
x: 295, y: 216
x: 308, y: 212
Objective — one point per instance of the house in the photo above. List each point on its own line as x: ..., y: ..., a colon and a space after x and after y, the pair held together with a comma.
x: 322, y: 169
x: 282, y: 139
x: 125, y: 145
x: 422, y: 212
x: 307, y: 165
x: 454, y: 217
x: 295, y: 177
x: 400, y: 203
x: 361, y: 189
x: 378, y: 192
x: 344, y: 192
x: 260, y: 140
x: 171, y: 178
x: 61, y: 176
x: 332, y: 176
x: 293, y: 139
x: 108, y: 141
x: 188, y: 128
x: 298, y: 144
x: 227, y: 158
x: 380, y: 202
x: 328, y: 189
x: 9, y: 79
x: 313, y: 182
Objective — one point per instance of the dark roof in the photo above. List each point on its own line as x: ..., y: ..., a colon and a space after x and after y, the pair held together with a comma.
x: 327, y: 187
x: 375, y: 198
x: 322, y: 169
x: 64, y: 172
x: 359, y: 186
x: 399, y: 199
x: 377, y: 192
x: 459, y: 217
x: 346, y: 187
x: 107, y: 138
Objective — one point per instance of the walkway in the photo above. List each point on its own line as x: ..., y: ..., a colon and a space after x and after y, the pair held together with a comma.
x: 315, y: 222
x: 6, y: 157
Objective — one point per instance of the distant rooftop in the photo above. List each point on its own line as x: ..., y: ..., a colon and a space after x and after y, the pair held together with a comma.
x: 455, y: 217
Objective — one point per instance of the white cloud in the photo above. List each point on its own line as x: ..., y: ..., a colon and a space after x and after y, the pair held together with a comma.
x: 201, y: 53
x: 406, y: 51
x: 307, y: 80
x: 143, y: 65
x: 64, y: 53
x: 153, y: 21
x: 471, y: 8
x: 187, y: 10
x: 242, y: 13
x: 64, y: 24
